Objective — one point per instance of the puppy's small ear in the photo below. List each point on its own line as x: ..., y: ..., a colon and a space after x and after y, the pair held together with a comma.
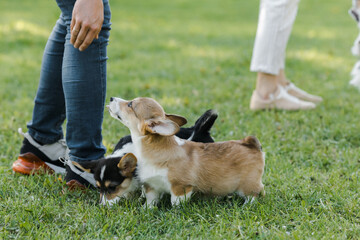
x: 162, y: 127
x: 88, y: 166
x: 176, y: 118
x: 127, y: 164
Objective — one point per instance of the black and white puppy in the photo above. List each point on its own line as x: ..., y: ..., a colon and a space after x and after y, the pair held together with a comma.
x: 116, y: 177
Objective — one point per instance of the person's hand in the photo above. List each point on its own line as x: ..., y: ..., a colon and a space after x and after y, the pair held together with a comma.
x: 86, y: 23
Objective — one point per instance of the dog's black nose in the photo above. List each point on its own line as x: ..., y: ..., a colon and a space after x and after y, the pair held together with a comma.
x: 111, y: 99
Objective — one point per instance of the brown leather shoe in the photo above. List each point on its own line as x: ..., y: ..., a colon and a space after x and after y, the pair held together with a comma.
x: 35, y: 157
x: 30, y: 164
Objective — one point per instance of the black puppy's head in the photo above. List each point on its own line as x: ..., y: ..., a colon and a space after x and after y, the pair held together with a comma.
x: 114, y: 176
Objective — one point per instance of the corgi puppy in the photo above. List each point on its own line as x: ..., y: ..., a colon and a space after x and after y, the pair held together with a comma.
x: 116, y: 175
x: 168, y: 164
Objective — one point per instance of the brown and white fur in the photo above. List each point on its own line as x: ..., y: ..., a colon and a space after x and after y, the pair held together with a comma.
x: 167, y: 164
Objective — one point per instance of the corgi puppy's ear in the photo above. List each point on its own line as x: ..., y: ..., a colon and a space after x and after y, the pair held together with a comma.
x: 161, y: 127
x: 127, y: 165
x: 176, y: 118
x: 88, y: 166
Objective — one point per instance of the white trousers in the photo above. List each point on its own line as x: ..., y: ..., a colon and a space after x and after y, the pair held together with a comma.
x: 276, y: 18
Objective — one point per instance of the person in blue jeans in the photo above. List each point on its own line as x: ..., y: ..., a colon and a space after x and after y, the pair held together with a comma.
x: 73, y: 87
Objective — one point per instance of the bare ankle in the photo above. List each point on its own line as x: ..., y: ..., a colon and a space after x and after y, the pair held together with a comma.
x: 266, y: 84
x: 281, y: 78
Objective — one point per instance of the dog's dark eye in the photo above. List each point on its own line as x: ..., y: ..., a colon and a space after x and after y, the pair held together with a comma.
x: 130, y: 104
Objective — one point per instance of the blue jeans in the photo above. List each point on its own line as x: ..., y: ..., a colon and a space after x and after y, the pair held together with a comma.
x: 73, y: 87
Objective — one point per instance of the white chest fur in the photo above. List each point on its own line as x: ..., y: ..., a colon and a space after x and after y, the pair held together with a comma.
x: 156, y: 177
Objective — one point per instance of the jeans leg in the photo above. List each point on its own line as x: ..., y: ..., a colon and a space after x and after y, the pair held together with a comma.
x: 84, y: 84
x: 49, y: 109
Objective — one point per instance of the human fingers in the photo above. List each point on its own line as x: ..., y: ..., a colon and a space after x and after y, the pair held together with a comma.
x: 97, y: 34
x: 75, y: 32
x: 88, y: 40
x: 81, y: 37
x: 72, y: 24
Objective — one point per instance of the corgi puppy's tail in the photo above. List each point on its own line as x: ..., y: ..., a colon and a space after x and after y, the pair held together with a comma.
x: 201, y: 129
x: 252, y: 142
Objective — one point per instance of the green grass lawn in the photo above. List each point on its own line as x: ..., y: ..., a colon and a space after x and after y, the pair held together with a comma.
x: 192, y: 56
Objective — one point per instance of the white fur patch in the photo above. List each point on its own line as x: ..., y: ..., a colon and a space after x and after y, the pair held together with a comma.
x: 102, y: 172
x: 191, y: 137
x: 179, y: 141
x: 248, y: 199
x: 134, y: 185
x: 151, y: 199
x: 156, y: 177
x: 115, y: 110
x: 176, y: 200
x: 127, y: 148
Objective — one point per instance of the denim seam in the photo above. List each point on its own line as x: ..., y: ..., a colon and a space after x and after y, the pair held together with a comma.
x: 102, y: 74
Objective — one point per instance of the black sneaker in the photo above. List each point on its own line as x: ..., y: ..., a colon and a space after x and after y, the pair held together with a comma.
x: 76, y: 178
x: 37, y: 158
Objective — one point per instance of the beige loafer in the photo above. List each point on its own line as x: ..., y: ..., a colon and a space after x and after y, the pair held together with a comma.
x: 279, y: 100
x: 301, y: 94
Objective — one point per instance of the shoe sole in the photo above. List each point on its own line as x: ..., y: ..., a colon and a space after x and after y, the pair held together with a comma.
x: 274, y: 107
x: 30, y: 164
